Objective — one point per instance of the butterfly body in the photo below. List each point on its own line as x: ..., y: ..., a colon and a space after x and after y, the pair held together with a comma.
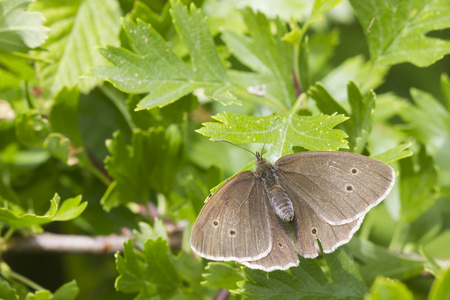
x: 278, y: 199
x: 324, y: 195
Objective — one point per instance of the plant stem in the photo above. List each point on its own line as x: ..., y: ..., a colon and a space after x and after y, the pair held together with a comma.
x: 26, y: 281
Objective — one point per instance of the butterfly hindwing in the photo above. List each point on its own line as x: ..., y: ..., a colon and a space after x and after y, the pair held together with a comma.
x: 309, y: 227
x: 283, y: 254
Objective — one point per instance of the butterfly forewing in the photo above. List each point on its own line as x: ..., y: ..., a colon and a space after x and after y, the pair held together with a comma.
x: 233, y: 224
x: 339, y: 187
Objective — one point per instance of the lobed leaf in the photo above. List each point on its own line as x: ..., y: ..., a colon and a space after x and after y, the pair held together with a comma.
x: 397, y: 31
x: 67, y: 291
x: 307, y: 281
x: 67, y: 211
x: 149, y: 273
x: 428, y: 120
x: 78, y: 28
x: 388, y: 289
x: 312, y: 133
x: 222, y: 275
x: 154, y: 68
x: 395, y: 154
x: 149, y: 164
x: 376, y: 260
x: 418, y: 185
x: 20, y: 30
x: 268, y: 56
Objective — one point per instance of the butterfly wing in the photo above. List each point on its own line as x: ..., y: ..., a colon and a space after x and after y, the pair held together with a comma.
x: 308, y: 227
x: 283, y: 254
x: 340, y: 187
x: 233, y: 224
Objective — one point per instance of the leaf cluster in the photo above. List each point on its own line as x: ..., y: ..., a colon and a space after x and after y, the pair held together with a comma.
x: 110, y: 101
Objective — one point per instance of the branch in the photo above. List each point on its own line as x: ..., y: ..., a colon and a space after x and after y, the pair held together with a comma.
x: 63, y: 243
x: 82, y: 244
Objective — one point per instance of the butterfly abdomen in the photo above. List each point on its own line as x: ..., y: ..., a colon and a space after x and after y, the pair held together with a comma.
x: 278, y: 199
x: 280, y: 202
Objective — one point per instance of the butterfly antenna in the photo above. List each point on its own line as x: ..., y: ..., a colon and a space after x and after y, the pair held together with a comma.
x: 270, y: 130
x: 236, y: 146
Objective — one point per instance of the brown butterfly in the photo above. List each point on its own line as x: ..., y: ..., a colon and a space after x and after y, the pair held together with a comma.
x: 263, y: 219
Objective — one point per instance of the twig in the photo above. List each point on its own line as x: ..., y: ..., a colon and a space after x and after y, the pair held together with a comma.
x: 51, y: 242
x: 63, y: 243
x: 223, y: 294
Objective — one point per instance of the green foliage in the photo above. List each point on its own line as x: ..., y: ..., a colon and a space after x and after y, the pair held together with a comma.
x: 418, y: 187
x: 396, y: 31
x: 376, y: 260
x: 112, y: 100
x: 313, y: 133
x: 150, y: 164
x: 20, y: 30
x: 69, y: 209
x: 154, y: 69
x: 386, y: 288
x: 308, y: 281
x: 268, y: 56
x: 441, y: 286
x: 73, y: 40
x: 67, y: 291
x: 154, y: 272
x: 360, y: 123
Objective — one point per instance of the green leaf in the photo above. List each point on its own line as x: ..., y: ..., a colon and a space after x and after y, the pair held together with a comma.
x: 67, y: 291
x: 148, y: 13
x: 64, y: 115
x: 313, y: 133
x: 267, y: 55
x: 155, y: 69
x: 6, y: 190
x: 376, y: 260
x: 160, y: 269
x: 194, y: 32
x: 354, y: 69
x: 70, y: 209
x: 321, y: 49
x: 362, y: 107
x: 32, y: 129
x: 441, y: 286
x: 150, y: 163
x: 307, y: 281
x: 131, y: 269
x: 20, y: 30
x: 445, y: 86
x: 150, y: 273
x: 395, y: 154
x: 397, y: 31
x: 222, y: 275
x: 360, y: 123
x: 76, y: 32
x: 319, y: 8
x: 428, y: 120
x: 188, y: 268
x: 6, y: 291
x: 417, y: 185
x: 59, y: 146
x: 146, y: 232
x: 389, y: 289
x: 67, y: 211
x: 437, y: 247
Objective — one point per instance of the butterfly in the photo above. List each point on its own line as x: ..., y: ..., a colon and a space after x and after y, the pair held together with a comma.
x: 264, y: 219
